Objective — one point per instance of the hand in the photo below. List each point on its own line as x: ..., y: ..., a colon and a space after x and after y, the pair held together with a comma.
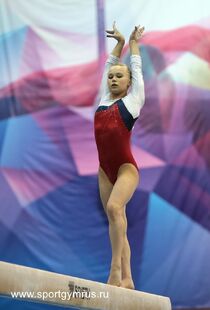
x: 115, y: 34
x: 137, y: 33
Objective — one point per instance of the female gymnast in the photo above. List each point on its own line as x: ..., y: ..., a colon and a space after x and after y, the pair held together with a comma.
x: 121, y: 101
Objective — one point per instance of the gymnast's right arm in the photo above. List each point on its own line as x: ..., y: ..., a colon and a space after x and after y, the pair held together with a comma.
x: 136, y: 97
x: 113, y: 59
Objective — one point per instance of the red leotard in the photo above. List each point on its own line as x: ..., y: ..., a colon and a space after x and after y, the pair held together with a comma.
x: 112, y: 133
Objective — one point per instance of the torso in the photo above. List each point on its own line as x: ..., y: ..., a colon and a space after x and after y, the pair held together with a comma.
x: 113, y: 124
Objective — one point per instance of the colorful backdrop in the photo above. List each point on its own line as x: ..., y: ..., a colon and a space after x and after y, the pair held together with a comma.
x: 51, y: 60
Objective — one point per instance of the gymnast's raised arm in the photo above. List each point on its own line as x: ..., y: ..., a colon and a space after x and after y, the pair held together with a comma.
x: 120, y: 40
x: 136, y: 95
x: 113, y: 58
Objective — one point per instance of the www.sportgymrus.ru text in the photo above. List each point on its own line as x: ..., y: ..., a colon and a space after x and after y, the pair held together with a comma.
x: 62, y: 295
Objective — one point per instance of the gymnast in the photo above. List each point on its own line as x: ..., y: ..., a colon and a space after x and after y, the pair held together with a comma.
x: 121, y: 101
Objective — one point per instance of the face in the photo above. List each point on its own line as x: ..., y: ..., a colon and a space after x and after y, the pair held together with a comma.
x: 118, y: 81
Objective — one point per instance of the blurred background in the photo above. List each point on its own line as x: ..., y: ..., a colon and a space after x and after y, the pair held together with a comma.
x: 52, y: 55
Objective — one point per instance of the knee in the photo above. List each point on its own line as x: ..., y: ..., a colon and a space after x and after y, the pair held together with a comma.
x: 114, y: 211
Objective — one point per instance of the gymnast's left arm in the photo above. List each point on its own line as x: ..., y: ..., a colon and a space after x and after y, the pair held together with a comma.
x: 136, y: 96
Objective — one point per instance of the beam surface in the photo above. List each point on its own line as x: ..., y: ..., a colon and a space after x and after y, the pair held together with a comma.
x: 48, y: 287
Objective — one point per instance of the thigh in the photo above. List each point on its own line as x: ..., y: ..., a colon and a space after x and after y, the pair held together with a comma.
x: 105, y: 187
x: 125, y: 185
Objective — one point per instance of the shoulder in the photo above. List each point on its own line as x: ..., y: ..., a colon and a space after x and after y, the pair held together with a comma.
x: 132, y: 105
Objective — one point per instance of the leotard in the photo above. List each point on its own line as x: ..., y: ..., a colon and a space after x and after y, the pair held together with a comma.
x: 114, y: 120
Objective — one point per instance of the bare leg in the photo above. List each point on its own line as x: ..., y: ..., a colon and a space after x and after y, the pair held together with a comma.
x: 105, y: 188
x: 122, y: 191
x: 127, y: 281
x: 117, y: 236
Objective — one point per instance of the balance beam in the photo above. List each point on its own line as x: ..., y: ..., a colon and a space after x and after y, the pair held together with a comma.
x: 63, y: 290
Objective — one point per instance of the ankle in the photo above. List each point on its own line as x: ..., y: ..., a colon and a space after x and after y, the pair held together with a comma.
x: 115, y: 267
x: 127, y: 277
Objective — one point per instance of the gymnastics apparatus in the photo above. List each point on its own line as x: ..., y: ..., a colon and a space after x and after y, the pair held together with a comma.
x: 48, y: 287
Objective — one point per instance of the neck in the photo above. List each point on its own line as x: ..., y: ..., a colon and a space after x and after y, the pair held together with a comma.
x: 118, y: 96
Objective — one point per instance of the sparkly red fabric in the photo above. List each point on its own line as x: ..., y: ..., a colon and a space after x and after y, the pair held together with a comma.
x: 113, y: 141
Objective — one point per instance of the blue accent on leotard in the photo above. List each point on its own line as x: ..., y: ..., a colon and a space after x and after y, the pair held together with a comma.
x: 125, y: 114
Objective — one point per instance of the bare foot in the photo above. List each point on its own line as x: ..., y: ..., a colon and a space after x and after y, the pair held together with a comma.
x: 115, y: 277
x: 127, y: 283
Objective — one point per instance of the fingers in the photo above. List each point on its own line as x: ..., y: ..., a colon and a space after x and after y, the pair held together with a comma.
x: 139, y: 31
x: 114, y: 25
x: 139, y: 28
x: 110, y: 31
x: 114, y: 28
x: 136, y: 33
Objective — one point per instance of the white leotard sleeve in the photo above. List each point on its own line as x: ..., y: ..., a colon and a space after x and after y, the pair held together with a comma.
x: 105, y: 93
x: 135, y: 99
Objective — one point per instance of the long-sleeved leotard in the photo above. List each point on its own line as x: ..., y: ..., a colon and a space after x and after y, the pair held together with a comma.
x: 114, y: 120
